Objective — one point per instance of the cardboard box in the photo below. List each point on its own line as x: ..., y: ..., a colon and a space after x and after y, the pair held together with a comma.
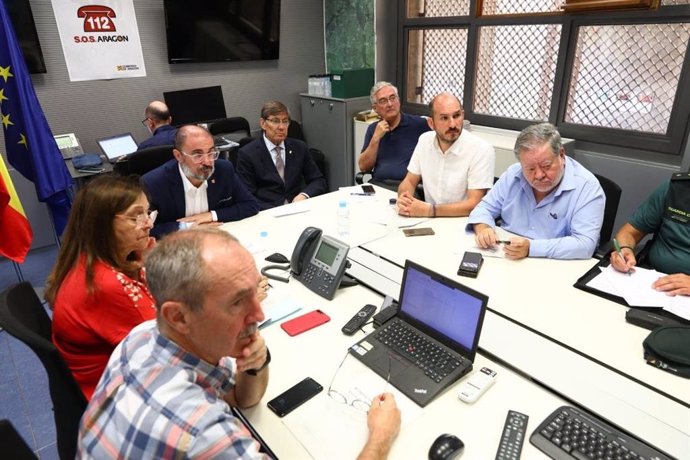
x: 351, y: 83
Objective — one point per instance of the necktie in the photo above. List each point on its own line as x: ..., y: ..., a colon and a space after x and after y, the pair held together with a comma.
x: 280, y: 164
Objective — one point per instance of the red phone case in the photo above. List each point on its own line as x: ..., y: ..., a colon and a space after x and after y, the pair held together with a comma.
x: 305, y: 322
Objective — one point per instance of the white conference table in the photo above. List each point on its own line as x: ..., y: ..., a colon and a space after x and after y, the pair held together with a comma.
x: 572, y: 342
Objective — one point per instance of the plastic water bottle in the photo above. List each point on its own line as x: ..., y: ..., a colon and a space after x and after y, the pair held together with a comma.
x: 343, y: 219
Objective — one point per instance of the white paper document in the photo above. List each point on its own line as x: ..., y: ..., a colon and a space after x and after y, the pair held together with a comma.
x: 636, y: 288
x: 289, y: 209
x: 336, y: 428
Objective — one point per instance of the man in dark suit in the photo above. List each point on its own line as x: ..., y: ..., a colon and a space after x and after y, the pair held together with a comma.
x: 194, y: 188
x: 158, y: 121
x: 275, y: 169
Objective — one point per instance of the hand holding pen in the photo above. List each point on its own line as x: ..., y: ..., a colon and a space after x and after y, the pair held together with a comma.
x: 623, y: 261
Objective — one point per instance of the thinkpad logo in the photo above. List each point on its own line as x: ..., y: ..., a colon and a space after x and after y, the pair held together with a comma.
x: 420, y: 390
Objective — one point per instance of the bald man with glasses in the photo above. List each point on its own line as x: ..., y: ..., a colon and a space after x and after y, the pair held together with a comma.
x: 194, y: 188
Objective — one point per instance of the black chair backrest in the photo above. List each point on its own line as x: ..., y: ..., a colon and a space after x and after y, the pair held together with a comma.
x: 13, y: 445
x: 145, y: 160
x: 321, y: 162
x: 230, y: 125
x: 23, y: 316
x: 613, y: 197
x: 295, y: 131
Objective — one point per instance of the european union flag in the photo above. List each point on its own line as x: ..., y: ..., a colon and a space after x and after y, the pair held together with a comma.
x: 30, y: 146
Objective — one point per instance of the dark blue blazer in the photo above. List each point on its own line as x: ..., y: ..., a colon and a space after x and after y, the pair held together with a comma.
x: 226, y: 194
x: 256, y: 168
x: 163, y: 135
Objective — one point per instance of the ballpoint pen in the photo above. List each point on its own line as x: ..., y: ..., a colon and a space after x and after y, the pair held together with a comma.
x: 506, y: 242
x: 620, y: 254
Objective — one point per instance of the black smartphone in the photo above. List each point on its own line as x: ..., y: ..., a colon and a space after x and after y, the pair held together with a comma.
x: 470, y: 264
x: 368, y: 189
x: 291, y: 399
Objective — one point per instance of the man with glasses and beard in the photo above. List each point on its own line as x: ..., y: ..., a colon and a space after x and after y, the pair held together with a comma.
x: 550, y: 200
x: 194, y: 188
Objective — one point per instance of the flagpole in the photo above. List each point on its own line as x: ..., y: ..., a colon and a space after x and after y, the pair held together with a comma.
x: 18, y: 271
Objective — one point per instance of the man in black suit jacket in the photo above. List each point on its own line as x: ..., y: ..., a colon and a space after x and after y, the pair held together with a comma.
x: 260, y: 167
x: 194, y: 188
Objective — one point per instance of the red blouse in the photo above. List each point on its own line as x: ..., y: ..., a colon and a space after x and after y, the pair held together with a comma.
x: 88, y: 327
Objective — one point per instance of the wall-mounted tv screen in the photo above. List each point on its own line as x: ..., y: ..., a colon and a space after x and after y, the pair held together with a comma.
x: 195, y: 105
x: 222, y: 30
x: 25, y: 30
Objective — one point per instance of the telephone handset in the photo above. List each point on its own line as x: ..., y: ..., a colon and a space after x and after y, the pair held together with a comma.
x: 319, y: 261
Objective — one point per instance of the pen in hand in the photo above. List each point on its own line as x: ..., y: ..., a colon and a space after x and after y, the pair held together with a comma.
x: 506, y: 242
x: 620, y: 254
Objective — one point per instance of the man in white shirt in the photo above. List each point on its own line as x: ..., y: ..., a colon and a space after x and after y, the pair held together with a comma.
x: 456, y: 167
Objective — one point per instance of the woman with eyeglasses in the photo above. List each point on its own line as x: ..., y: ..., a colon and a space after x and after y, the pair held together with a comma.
x: 97, y: 288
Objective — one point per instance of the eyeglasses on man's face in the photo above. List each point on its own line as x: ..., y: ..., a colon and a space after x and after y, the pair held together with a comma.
x: 143, y: 122
x: 386, y: 100
x: 211, y: 155
x: 142, y: 218
x: 278, y: 121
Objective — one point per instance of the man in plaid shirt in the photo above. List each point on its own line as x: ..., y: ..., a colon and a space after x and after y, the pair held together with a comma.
x: 168, y: 387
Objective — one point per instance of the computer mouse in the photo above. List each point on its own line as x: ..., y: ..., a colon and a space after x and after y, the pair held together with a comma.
x: 446, y: 447
x: 277, y: 258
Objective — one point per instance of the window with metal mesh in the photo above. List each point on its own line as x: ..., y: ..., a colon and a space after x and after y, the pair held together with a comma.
x: 436, y: 62
x: 674, y: 2
x: 516, y: 66
x: 499, y: 7
x: 437, y: 8
x: 625, y: 76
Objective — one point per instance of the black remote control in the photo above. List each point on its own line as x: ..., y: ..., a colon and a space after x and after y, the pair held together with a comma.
x: 512, y: 436
x: 360, y: 318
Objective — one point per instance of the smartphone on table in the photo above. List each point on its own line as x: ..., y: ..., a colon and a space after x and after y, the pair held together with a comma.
x: 294, y: 397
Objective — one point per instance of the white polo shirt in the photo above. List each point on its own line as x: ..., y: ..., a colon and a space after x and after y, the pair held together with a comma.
x: 467, y: 164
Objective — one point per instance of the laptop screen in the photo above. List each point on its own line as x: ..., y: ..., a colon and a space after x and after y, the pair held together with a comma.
x: 443, y: 305
x: 117, y: 146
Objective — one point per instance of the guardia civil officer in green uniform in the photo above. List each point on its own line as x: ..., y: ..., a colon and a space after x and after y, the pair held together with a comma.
x: 666, y: 214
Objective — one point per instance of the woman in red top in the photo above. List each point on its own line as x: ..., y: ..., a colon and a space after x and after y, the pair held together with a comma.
x: 97, y: 288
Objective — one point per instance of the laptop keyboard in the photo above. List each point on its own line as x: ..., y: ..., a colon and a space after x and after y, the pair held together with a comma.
x: 436, y: 362
x: 570, y: 433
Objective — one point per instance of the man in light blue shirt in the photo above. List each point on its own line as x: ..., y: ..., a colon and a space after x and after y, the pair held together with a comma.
x: 551, y: 200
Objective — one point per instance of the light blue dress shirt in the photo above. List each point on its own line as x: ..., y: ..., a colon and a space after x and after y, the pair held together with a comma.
x: 564, y: 225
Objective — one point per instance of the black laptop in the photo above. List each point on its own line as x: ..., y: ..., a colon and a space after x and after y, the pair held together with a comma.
x: 116, y: 147
x: 433, y: 339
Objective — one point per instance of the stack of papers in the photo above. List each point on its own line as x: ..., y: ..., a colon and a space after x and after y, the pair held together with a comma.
x: 636, y: 289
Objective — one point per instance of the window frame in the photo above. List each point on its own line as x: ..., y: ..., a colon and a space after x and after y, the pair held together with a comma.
x: 670, y: 144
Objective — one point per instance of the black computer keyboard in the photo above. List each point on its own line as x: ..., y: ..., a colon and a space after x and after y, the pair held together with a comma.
x: 428, y: 356
x: 571, y: 433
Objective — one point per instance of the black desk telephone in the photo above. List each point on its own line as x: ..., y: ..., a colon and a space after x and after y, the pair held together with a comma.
x: 319, y: 261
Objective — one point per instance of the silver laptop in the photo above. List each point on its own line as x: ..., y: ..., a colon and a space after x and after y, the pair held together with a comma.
x: 116, y: 147
x: 432, y: 340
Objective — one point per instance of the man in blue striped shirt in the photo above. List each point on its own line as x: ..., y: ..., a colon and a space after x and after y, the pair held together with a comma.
x: 169, y: 385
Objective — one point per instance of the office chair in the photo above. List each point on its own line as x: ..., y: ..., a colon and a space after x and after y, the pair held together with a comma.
x: 13, y: 445
x: 23, y: 316
x: 321, y: 163
x: 145, y: 160
x: 295, y: 131
x: 613, y: 197
x: 230, y: 125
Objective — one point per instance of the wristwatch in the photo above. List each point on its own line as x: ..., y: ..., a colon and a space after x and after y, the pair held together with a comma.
x: 266, y: 363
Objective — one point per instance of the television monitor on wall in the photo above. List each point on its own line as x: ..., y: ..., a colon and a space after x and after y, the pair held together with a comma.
x: 195, y: 105
x: 25, y: 30
x: 222, y: 30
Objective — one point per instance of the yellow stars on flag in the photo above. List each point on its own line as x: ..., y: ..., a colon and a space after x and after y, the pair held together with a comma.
x: 22, y: 140
x: 2, y: 96
x: 6, y: 120
x: 5, y: 73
